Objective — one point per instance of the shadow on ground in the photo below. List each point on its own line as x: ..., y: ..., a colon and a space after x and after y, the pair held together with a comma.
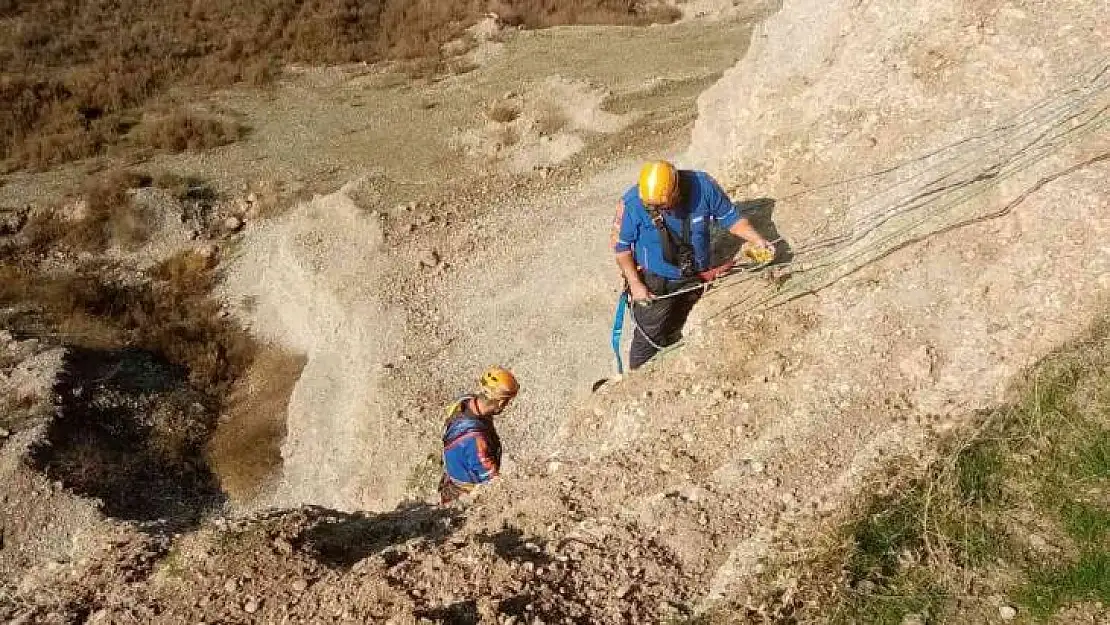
x: 340, y: 539
x: 130, y: 431
x: 760, y: 213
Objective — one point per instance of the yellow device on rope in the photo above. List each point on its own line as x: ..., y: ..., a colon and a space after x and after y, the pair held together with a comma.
x: 758, y: 254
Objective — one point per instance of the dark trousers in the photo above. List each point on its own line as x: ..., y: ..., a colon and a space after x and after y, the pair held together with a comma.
x: 660, y: 319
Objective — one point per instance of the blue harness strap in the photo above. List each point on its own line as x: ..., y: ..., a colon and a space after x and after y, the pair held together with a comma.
x: 618, y: 327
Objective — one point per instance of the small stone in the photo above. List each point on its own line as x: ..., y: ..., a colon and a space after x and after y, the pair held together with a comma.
x: 1007, y: 612
x: 252, y: 197
x: 788, y: 500
x: 757, y: 467
x: 429, y: 259
x: 251, y: 606
x: 232, y: 223
x: 913, y: 619
x: 1038, y: 543
x: 4, y: 433
x: 231, y: 586
x: 299, y: 585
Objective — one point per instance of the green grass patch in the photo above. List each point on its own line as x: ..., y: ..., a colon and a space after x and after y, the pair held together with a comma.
x: 1088, y: 579
x: 979, y: 472
x: 910, y: 593
x: 1085, y: 523
x: 1093, y: 460
x: 892, y: 526
x: 1040, y: 466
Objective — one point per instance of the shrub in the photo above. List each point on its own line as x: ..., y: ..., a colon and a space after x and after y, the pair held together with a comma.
x: 181, y: 130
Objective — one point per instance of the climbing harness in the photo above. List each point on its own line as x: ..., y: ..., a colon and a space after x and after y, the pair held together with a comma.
x: 677, y: 250
x: 757, y: 263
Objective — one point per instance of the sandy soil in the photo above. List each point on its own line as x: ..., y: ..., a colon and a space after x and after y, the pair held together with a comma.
x: 940, y: 176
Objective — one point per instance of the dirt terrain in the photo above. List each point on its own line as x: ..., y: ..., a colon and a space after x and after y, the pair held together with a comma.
x: 937, y: 172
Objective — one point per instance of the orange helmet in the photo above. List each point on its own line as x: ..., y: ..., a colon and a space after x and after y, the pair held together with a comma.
x: 658, y: 183
x: 499, y: 384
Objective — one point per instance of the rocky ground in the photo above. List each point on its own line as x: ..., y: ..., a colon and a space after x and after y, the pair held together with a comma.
x: 940, y: 182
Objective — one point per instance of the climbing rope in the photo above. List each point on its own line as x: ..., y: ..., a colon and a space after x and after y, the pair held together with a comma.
x: 927, y: 196
x: 749, y: 268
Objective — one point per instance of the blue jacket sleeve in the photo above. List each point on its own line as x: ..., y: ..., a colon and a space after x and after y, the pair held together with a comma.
x: 623, y: 234
x: 720, y: 207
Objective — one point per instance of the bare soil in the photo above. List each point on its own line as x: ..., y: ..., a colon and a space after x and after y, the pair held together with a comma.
x: 919, y: 276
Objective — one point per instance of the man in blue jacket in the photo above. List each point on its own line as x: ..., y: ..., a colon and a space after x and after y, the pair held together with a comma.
x: 661, y: 240
x: 471, y: 447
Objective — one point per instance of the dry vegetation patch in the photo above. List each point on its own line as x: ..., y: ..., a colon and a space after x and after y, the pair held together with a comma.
x: 77, y: 75
x: 100, y: 214
x: 150, y: 363
x: 547, y: 13
x: 1011, y: 523
x: 182, y: 130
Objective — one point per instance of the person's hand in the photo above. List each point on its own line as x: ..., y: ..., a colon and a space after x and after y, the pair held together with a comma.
x: 639, y: 292
x: 759, y: 252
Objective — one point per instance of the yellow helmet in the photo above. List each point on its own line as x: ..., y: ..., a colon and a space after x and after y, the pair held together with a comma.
x: 658, y: 183
x: 499, y: 384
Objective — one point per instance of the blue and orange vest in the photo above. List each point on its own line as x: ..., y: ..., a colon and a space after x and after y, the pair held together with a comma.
x: 471, y: 447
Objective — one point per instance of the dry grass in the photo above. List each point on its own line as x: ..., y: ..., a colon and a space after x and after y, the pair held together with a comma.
x: 170, y: 314
x: 547, y: 13
x: 77, y: 74
x: 101, y: 215
x: 174, y: 316
x: 182, y: 130
x: 503, y: 112
x: 1019, y: 508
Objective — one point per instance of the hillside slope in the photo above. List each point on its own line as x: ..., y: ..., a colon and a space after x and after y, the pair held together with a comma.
x: 939, y: 172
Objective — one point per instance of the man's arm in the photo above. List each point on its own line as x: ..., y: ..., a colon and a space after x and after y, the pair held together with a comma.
x: 622, y: 237
x: 728, y: 216
x: 488, y: 466
x: 636, y: 287
x: 744, y: 230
